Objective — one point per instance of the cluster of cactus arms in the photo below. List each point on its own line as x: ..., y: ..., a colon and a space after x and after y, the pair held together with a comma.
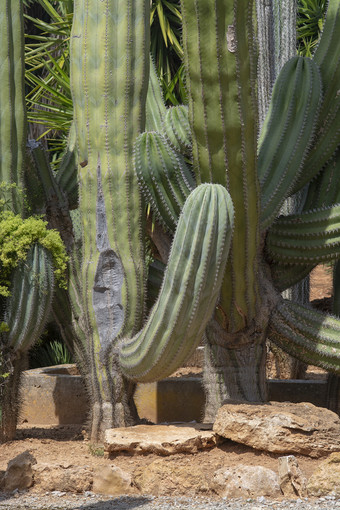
x: 215, y: 185
x: 298, y: 145
x: 26, y: 263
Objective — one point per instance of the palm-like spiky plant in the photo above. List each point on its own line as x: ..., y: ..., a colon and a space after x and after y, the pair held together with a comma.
x: 48, y: 60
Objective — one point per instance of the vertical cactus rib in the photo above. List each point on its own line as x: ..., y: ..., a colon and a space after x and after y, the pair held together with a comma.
x: 177, y: 129
x: 28, y: 307
x: 287, y: 133
x: 67, y: 172
x: 163, y: 176
x: 327, y: 57
x: 155, y: 106
x: 12, y: 104
x: 190, y: 287
x: 221, y: 72
x: 324, y: 190
x: 306, y: 334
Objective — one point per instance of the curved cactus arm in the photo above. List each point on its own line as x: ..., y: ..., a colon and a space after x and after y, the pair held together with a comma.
x: 285, y: 276
x: 12, y: 102
x: 306, y: 238
x: 190, y: 288
x: 308, y: 335
x: 325, y: 189
x: 28, y: 306
x: 163, y: 176
x: 327, y: 57
x: 287, y: 133
x: 176, y: 128
x: 155, y: 108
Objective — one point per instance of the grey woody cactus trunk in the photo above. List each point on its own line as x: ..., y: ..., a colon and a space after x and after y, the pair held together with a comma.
x: 109, y: 77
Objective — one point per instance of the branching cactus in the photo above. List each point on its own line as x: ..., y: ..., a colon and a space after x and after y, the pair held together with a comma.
x: 298, y: 143
x: 29, y: 253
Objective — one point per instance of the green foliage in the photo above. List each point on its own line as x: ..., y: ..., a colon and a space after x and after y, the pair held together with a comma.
x: 47, y: 58
x: 17, y: 235
x: 46, y: 354
x: 310, y: 19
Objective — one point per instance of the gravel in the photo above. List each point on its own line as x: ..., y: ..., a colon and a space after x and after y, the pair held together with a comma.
x: 88, y: 501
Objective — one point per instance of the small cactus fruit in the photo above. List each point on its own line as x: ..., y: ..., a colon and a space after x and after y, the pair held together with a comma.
x: 190, y: 287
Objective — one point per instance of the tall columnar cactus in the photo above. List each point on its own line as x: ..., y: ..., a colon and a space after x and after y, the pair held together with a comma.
x: 26, y: 260
x: 299, y: 141
x: 109, y: 79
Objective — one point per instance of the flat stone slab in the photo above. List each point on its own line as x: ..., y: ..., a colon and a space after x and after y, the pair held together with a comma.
x: 158, y: 439
x: 281, y: 427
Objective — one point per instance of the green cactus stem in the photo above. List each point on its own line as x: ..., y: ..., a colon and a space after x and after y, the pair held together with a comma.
x: 177, y: 129
x: 109, y: 79
x: 155, y: 106
x: 306, y: 238
x: 12, y: 104
x: 306, y: 334
x: 190, y: 288
x: 327, y: 57
x: 67, y: 172
x: 325, y: 189
x: 163, y: 176
x: 287, y: 133
x: 218, y: 42
x: 28, y: 306
x: 22, y: 318
x: 285, y: 276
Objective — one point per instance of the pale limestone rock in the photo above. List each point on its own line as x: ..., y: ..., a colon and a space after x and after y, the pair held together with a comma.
x: 167, y: 476
x: 281, y: 427
x: 111, y: 480
x: 326, y: 479
x: 292, y: 481
x: 19, y: 473
x: 246, y: 482
x: 158, y: 439
x: 63, y: 477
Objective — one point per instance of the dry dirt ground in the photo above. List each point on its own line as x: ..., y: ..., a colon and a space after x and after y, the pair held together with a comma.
x: 67, y: 444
